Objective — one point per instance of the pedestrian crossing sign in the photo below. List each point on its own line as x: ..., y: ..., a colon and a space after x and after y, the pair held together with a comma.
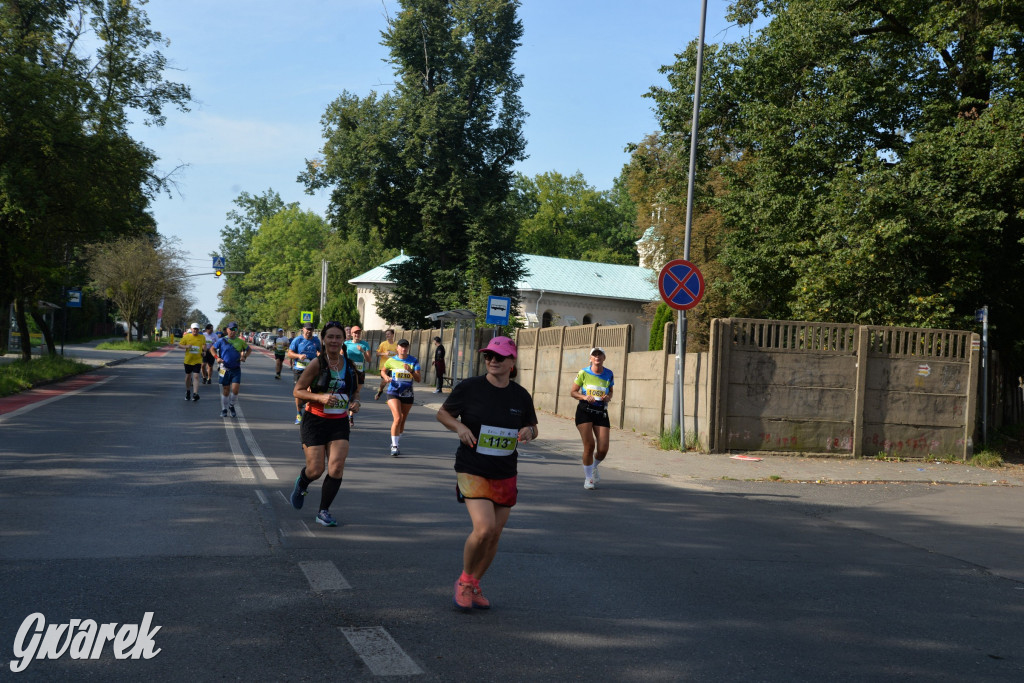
x: 305, y: 317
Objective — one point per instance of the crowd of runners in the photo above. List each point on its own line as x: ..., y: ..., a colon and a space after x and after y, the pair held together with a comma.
x: 490, y: 414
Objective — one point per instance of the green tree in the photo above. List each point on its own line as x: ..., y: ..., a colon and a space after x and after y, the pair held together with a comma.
x: 427, y: 167
x: 135, y: 273
x: 870, y: 156
x: 241, y: 296
x: 71, y: 73
x: 567, y: 218
x: 284, y: 267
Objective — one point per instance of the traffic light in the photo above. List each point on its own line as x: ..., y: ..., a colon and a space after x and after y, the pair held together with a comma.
x: 218, y: 272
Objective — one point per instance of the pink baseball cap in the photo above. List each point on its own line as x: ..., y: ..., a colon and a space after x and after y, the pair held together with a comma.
x: 502, y: 345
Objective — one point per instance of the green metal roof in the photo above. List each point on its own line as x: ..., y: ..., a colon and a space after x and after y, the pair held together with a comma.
x: 565, y: 276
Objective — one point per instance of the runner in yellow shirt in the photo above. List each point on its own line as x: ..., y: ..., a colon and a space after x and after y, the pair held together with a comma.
x: 195, y: 346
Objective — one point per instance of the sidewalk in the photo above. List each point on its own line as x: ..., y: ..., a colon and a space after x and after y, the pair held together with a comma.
x: 633, y: 452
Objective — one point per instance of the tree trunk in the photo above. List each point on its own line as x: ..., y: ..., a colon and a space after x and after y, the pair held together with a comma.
x: 26, y: 340
x: 47, y: 332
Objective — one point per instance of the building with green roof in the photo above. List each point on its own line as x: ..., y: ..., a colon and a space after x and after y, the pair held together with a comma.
x: 554, y: 291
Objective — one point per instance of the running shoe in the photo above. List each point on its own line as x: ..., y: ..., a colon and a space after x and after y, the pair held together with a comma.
x: 188, y: 395
x: 589, y: 483
x: 224, y: 412
x: 195, y: 397
x: 325, y: 518
x: 394, y: 452
x: 232, y: 409
x: 277, y: 376
x: 463, y: 595
x: 298, y: 418
x: 298, y: 494
x: 479, y: 601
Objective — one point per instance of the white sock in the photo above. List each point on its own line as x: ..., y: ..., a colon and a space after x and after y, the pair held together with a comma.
x: 223, y: 401
x: 394, y: 440
x: 588, y: 471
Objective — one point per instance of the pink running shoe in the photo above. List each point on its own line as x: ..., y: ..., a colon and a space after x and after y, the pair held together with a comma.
x: 479, y: 601
x: 463, y: 595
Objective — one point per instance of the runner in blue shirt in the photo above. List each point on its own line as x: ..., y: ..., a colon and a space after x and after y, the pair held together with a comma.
x: 231, y: 351
x: 304, y: 348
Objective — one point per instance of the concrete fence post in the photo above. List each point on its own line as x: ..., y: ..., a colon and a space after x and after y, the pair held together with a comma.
x: 972, y: 394
x: 859, y: 391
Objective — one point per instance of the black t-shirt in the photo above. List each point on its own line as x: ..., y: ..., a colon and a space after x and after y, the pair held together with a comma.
x: 499, y: 414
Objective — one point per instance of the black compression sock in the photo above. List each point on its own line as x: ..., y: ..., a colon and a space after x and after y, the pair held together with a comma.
x: 328, y: 491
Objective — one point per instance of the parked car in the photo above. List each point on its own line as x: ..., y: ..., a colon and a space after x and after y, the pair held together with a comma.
x: 269, y: 341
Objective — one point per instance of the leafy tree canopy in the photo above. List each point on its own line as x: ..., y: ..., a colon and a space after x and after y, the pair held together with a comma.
x: 427, y: 166
x: 567, y: 218
x: 869, y: 157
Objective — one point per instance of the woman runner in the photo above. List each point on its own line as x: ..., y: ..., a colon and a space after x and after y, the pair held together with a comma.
x: 330, y: 389
x: 492, y: 415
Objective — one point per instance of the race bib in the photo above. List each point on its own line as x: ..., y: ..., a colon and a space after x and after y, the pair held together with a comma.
x: 358, y: 365
x: 337, y: 404
x: 221, y: 371
x: 299, y: 365
x: 402, y: 374
x: 497, y: 440
x: 193, y: 349
x: 596, y: 391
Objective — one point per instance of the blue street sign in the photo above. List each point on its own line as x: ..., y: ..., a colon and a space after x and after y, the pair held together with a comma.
x: 218, y: 262
x: 681, y: 284
x: 74, y: 298
x: 498, y: 310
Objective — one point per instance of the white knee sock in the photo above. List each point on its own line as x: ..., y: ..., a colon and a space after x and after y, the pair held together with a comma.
x: 588, y: 471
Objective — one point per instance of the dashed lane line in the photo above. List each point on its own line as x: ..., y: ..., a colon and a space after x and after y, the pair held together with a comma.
x: 323, y: 575
x: 380, y: 652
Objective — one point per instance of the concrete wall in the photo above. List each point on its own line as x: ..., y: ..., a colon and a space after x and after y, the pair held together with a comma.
x: 764, y: 385
x: 843, y: 389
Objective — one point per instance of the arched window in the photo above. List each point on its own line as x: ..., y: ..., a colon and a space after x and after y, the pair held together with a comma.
x: 587, y: 319
x: 546, y: 319
x: 361, y: 308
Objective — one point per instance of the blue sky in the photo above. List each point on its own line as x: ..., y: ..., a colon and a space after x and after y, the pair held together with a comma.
x: 263, y: 73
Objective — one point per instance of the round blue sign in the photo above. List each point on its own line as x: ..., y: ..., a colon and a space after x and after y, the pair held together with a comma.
x: 681, y: 284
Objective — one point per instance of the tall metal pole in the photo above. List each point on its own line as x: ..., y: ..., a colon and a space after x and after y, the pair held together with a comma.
x: 323, y: 289
x: 678, y: 418
x: 984, y: 374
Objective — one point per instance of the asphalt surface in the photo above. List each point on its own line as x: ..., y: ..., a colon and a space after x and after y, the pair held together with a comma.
x: 122, y: 499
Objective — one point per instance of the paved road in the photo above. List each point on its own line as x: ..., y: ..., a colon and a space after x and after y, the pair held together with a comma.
x: 123, y: 499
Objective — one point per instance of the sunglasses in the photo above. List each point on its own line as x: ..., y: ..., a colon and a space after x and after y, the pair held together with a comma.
x: 491, y: 355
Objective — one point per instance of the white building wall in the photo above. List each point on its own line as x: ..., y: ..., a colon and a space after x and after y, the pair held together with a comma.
x: 566, y: 309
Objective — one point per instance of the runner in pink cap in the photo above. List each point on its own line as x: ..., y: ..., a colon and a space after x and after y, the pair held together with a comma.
x: 502, y: 345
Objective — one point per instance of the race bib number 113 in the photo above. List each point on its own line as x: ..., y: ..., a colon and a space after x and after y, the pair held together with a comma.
x: 496, y: 440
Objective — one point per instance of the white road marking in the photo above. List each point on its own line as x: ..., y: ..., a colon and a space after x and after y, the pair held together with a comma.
x: 257, y: 452
x: 39, y: 404
x: 244, y: 470
x: 380, y: 652
x: 261, y: 496
x: 324, y: 576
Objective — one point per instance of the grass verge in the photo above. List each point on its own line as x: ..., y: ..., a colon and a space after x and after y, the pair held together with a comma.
x: 18, y: 375
x: 131, y: 346
x: 669, y: 441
